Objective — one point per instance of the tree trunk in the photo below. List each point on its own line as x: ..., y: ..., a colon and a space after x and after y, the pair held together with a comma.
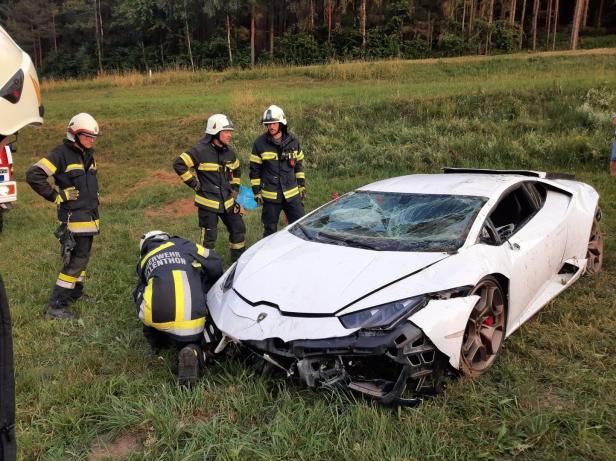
x: 577, y: 19
x: 97, y: 24
x: 328, y: 13
x: 471, y: 18
x: 252, y: 35
x: 548, y: 24
x: 512, y: 5
x: 463, y: 14
x: 271, y: 32
x: 534, y: 23
x: 55, y: 34
x: 311, y: 15
x: 555, y: 24
x: 229, y: 40
x: 362, y: 24
x: 585, y: 20
x: 187, y: 32
x: 490, y: 18
x: 522, y: 24
x: 599, y: 15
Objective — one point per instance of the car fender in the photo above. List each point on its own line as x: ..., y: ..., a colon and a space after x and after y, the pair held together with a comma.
x: 444, y: 322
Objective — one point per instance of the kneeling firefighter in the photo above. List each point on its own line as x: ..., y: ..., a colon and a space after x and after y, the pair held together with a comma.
x: 174, y: 277
x: 212, y: 169
x: 73, y: 169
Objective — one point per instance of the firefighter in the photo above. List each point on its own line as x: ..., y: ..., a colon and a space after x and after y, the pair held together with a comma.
x: 20, y: 105
x: 277, y: 171
x: 174, y: 276
x: 73, y: 169
x: 212, y: 170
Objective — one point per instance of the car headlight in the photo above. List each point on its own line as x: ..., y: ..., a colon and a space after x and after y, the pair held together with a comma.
x: 4, y: 191
x: 385, y: 315
x: 228, y: 283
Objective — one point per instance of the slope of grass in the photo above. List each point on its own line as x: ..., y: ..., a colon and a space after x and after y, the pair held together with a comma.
x: 84, y: 386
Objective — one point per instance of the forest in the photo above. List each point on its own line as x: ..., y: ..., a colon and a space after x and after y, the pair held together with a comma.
x: 68, y: 38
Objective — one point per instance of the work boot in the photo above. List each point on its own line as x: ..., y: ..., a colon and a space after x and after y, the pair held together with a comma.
x: 188, y: 365
x: 60, y: 313
x: 235, y: 254
x: 77, y: 294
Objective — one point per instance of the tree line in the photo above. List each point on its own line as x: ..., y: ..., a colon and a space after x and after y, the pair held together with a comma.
x: 84, y: 37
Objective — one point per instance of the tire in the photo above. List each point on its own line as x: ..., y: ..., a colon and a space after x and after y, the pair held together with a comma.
x: 485, y: 328
x: 594, y: 253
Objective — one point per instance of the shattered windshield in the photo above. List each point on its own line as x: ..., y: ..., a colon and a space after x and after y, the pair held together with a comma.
x: 393, y: 221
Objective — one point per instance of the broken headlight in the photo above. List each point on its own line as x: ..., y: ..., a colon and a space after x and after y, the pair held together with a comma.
x: 228, y: 283
x: 385, y: 315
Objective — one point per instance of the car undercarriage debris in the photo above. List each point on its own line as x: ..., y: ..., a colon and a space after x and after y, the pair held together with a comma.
x: 396, y: 366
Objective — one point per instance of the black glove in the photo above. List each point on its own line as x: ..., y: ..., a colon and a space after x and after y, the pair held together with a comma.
x: 65, y: 195
x: 196, y: 185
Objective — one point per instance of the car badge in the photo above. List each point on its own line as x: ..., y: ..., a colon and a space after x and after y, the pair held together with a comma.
x: 261, y: 317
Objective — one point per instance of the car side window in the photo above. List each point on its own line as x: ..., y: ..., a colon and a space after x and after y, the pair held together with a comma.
x: 515, y: 209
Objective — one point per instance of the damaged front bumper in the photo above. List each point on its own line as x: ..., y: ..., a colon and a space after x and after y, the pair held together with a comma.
x: 391, y: 366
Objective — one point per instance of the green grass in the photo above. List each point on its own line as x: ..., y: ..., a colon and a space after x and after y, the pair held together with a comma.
x: 86, y: 385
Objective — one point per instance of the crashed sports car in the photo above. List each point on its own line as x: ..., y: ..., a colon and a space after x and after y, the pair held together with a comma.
x: 392, y: 288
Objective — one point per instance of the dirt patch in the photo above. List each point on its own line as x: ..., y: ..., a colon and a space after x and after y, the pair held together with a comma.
x: 122, y: 446
x: 157, y: 177
x: 179, y: 208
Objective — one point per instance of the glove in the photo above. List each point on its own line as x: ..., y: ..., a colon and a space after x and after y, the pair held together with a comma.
x: 302, y: 192
x: 196, y: 185
x: 65, y: 195
x: 234, y: 193
x: 259, y: 199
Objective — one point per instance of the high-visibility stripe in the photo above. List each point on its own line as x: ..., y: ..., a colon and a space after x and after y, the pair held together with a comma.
x: 269, y: 195
x: 299, y: 156
x: 255, y: 159
x: 74, y: 166
x: 237, y: 246
x: 235, y: 181
x: 93, y: 166
x: 187, y: 160
x: 67, y: 278
x: 46, y: 166
x: 81, y: 276
x: 255, y: 182
x: 235, y: 165
x: 202, y: 251
x: 147, y: 296
x: 203, y: 236
x: 183, y: 307
x: 291, y: 193
x: 63, y: 284
x: 82, y: 227
x: 154, y: 251
x: 207, y: 202
x: 229, y: 203
x: 186, y: 176
x: 300, y: 175
x: 191, y: 327
x: 209, y: 167
x: 269, y: 156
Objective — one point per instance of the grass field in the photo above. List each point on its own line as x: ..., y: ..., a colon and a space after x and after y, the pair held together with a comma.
x: 91, y: 389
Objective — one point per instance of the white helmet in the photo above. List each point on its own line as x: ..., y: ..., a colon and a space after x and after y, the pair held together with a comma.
x: 217, y: 123
x: 274, y: 114
x: 81, y: 123
x: 20, y: 93
x: 155, y: 235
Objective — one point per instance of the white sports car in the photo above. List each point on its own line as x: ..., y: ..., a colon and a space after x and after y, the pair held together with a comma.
x: 391, y: 287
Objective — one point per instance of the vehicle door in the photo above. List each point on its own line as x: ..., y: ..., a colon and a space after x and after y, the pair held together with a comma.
x: 528, y: 223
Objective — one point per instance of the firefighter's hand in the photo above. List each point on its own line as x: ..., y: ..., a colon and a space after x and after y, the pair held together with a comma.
x: 234, y: 193
x: 196, y: 185
x: 302, y: 192
x: 65, y: 195
x: 259, y: 199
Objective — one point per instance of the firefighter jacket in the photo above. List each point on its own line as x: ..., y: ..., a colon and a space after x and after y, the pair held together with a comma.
x: 70, y: 167
x: 214, y: 172
x: 277, y: 167
x: 174, y: 276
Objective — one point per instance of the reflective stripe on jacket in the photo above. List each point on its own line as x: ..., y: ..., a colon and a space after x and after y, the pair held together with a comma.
x: 174, y: 276
x: 217, y: 170
x: 69, y: 167
x: 277, y: 167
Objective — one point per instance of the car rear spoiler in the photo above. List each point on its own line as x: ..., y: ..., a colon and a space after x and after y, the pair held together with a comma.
x: 531, y: 173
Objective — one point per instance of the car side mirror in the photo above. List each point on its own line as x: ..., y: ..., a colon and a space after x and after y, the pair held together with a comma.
x: 506, y: 231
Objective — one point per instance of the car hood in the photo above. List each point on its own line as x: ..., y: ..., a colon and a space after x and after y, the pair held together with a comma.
x: 304, y: 277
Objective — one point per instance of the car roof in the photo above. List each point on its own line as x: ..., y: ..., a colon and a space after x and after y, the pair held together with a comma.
x: 473, y: 184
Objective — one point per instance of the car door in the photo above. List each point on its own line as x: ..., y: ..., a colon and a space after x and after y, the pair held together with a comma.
x: 532, y: 236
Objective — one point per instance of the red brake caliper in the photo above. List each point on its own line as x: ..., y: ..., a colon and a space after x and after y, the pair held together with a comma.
x: 489, y: 321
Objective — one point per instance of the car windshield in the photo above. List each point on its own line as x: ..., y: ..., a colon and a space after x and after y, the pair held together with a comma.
x: 393, y: 221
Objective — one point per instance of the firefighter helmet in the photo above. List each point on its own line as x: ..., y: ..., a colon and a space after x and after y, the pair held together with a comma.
x: 20, y: 94
x: 155, y: 235
x: 274, y: 114
x: 217, y: 123
x: 81, y: 124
